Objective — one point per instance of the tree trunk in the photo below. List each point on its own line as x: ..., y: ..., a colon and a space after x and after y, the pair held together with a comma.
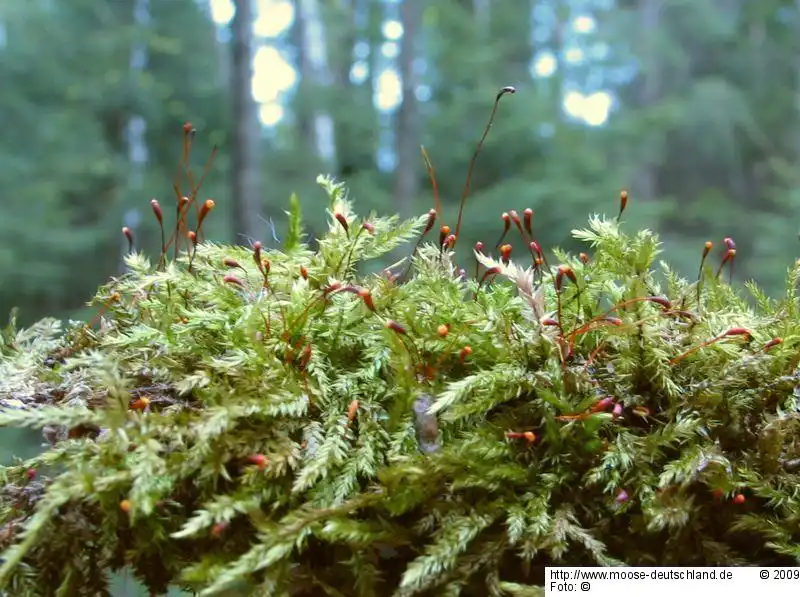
x: 315, y: 59
x: 406, y: 187
x: 646, y: 187
x: 246, y: 127
x: 137, y: 127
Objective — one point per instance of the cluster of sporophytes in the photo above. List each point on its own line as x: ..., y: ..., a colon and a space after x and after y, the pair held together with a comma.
x: 271, y: 420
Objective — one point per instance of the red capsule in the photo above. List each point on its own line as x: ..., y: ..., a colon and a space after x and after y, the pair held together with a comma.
x: 230, y: 279
x: 660, y: 300
x: 259, y: 460
x: 738, y: 332
x: 366, y: 296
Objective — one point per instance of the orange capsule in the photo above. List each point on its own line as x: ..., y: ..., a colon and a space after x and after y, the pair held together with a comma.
x: 738, y: 499
x: 443, y: 330
x: 125, y: 506
x: 208, y: 205
x: 465, y: 352
x: 530, y: 436
x: 140, y: 403
x: 352, y: 410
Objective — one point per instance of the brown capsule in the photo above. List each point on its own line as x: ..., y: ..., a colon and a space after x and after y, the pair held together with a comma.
x: 515, y: 217
x: 231, y: 262
x: 187, y: 128
x: 395, y: 327
x: 660, y: 300
x: 623, y: 202
x: 584, y: 258
x: 729, y: 255
x: 30, y: 474
x: 565, y: 270
x: 443, y: 330
x: 450, y: 241
x: 492, y: 271
x: 128, y: 234
x: 218, y: 529
x: 305, y: 358
x: 368, y: 227
x: 192, y: 236
x: 230, y: 279
x: 157, y: 211
x: 208, y: 205
x: 332, y: 287
x: 534, y: 246
x: 738, y: 499
x: 304, y: 272
x: 431, y: 221
x: 342, y: 221
x: 527, y: 218
x: 772, y: 343
x: 738, y: 332
x: 257, y: 253
x: 549, y: 321
x: 506, y: 222
x: 613, y: 320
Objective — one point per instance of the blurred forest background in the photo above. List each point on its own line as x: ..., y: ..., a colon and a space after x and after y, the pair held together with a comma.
x: 693, y: 105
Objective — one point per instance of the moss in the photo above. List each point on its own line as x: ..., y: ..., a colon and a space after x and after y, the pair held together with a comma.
x: 271, y: 419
